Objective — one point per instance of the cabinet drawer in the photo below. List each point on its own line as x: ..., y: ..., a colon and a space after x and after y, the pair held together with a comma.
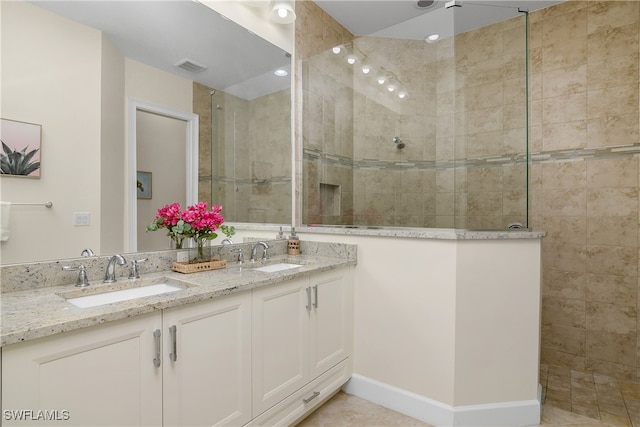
x: 305, y: 400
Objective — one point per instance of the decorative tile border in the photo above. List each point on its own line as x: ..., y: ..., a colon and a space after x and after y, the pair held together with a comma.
x: 596, y: 153
x: 229, y: 180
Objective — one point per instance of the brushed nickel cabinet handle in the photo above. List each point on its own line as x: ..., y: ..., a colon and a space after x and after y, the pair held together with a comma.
x: 173, y: 332
x: 156, y: 338
x: 315, y: 296
x: 308, y: 298
x: 310, y: 398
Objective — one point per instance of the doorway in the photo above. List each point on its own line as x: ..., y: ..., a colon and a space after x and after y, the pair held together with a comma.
x: 163, y: 157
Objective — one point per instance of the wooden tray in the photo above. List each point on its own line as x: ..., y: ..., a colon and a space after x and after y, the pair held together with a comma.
x: 185, y: 267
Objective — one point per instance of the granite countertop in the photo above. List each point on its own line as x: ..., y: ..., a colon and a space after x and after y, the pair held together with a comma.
x: 41, y: 312
x: 407, y: 232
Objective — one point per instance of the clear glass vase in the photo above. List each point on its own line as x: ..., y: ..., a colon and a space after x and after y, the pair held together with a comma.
x: 201, y: 252
x: 177, y: 241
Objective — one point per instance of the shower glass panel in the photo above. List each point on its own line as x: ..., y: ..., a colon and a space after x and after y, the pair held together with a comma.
x: 417, y: 134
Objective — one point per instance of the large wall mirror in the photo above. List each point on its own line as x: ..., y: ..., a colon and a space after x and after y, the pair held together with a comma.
x: 73, y: 68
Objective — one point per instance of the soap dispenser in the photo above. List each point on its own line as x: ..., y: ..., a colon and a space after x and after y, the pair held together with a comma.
x: 280, y: 235
x: 293, y: 243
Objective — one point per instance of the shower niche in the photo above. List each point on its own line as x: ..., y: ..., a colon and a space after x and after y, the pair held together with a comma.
x: 330, y: 205
x: 457, y: 106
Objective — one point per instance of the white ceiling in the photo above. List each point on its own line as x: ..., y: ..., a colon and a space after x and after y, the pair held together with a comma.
x: 404, y: 19
x: 163, y: 32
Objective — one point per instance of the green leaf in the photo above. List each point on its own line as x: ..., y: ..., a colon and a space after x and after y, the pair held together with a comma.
x: 14, y: 162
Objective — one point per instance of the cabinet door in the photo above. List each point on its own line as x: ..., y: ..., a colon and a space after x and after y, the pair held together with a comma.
x: 330, y: 330
x: 209, y: 382
x: 103, y: 375
x: 280, y: 342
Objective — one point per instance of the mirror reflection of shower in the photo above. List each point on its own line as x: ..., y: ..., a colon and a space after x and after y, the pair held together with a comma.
x: 398, y: 142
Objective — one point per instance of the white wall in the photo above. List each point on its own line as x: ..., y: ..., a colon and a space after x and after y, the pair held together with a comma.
x: 68, y: 78
x: 37, y: 45
x: 497, y: 321
x: 453, y: 323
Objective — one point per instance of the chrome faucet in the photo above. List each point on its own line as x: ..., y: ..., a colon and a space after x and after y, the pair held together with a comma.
x: 227, y: 241
x: 87, y: 252
x: 254, y: 251
x: 110, y: 274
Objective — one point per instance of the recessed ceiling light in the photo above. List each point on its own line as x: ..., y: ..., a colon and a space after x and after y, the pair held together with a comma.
x: 281, y: 73
x: 351, y: 60
x: 432, y: 38
x: 366, y: 69
x: 381, y: 80
x: 422, y: 4
x: 337, y: 49
x: 282, y: 12
x: 402, y: 95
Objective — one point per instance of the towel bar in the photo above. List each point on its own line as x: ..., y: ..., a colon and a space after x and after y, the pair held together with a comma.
x: 46, y: 205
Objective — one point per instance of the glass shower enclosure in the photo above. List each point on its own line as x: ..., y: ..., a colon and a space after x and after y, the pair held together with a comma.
x: 399, y: 131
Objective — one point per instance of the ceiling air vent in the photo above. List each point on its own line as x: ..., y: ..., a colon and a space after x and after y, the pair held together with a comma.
x: 190, y: 66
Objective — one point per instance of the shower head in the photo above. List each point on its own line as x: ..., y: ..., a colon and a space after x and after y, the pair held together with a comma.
x: 398, y: 142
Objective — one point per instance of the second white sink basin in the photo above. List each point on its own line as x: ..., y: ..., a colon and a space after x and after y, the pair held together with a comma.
x: 123, y: 295
x: 277, y: 267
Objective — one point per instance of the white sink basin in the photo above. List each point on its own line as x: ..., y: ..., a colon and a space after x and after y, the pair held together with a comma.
x: 277, y: 267
x: 123, y: 295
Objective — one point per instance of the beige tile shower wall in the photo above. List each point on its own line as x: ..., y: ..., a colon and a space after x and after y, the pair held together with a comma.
x: 268, y: 146
x: 242, y: 165
x: 399, y: 193
x: 489, y: 123
x: 466, y: 101
x: 328, y: 127
x: 326, y: 120
x: 202, y: 107
x: 585, y: 75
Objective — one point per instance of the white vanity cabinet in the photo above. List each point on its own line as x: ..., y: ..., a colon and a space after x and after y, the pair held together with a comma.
x: 188, y: 365
x: 103, y: 375
x: 280, y: 342
x: 207, y: 362
x: 301, y: 330
x: 260, y: 357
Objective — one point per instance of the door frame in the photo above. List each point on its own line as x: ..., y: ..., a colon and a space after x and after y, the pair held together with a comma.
x: 191, y: 147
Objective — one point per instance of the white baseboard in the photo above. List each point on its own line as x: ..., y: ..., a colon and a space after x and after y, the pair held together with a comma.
x: 520, y: 413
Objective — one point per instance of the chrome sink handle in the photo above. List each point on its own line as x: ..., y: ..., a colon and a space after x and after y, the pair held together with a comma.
x: 134, y: 272
x: 82, y: 280
x: 240, y: 254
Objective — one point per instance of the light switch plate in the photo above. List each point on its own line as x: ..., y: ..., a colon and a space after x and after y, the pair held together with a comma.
x: 81, y: 218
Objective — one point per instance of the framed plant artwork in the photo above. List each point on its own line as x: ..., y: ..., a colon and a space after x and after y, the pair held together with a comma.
x: 20, y: 154
x: 143, y: 185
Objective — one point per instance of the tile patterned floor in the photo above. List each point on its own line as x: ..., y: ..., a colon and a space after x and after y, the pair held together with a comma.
x: 344, y: 410
x: 571, y: 398
x: 615, y: 402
